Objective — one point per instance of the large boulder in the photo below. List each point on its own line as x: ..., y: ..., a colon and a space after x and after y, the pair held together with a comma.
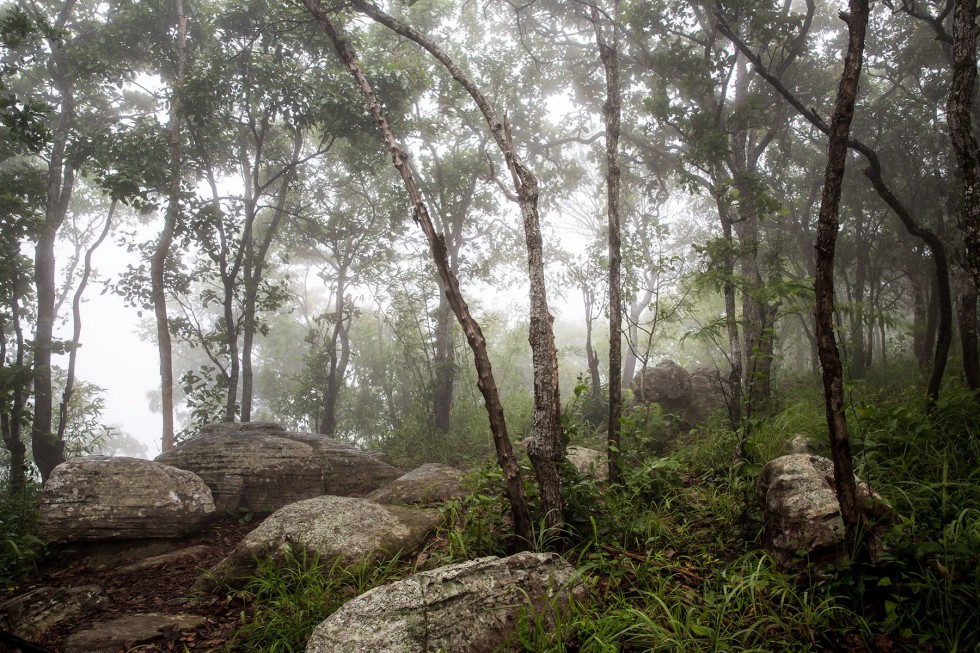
x: 260, y: 467
x: 428, y: 484
x: 471, y: 607
x: 252, y: 471
x: 802, y: 514
x: 97, y: 498
x: 667, y: 384
x: 351, y: 529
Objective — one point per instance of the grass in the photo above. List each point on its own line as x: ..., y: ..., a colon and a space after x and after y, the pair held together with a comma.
x: 672, y: 556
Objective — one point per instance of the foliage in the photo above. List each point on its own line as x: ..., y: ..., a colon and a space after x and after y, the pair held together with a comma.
x: 20, y: 548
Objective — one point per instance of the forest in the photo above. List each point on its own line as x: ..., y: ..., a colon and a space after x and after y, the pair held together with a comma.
x: 455, y: 231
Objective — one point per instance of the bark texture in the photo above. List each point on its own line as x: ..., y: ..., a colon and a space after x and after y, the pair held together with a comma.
x: 471, y: 328
x: 827, y: 226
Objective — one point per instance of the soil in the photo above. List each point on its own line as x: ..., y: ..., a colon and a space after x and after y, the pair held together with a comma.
x: 163, y: 588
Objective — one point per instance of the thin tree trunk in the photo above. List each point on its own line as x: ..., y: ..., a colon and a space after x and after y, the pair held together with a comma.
x: 474, y: 335
x: 827, y: 226
x: 334, y: 373
x: 731, y: 324
x: 254, y: 268
x: 546, y: 449
x: 11, y: 421
x: 611, y: 110
x: 76, y: 311
x: 162, y: 249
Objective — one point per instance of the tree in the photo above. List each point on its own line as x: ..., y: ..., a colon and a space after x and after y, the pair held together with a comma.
x: 833, y: 380
x: 474, y: 335
x: 547, y: 447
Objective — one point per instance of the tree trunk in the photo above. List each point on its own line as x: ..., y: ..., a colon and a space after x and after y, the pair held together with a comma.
x: 959, y: 107
x: 474, y: 335
x: 731, y: 323
x: 254, y: 268
x: 609, y: 54
x: 547, y: 448
x: 158, y: 261
x: 445, y: 367
x: 966, y: 314
x: 20, y: 380
x: 76, y: 310
x: 338, y: 362
x: 827, y: 221
x: 49, y: 451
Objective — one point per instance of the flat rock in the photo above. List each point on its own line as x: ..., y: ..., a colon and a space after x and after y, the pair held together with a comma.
x: 351, y: 529
x: 428, y: 484
x: 471, y: 607
x: 30, y: 615
x: 249, y: 471
x: 127, y: 632
x: 101, y: 498
x: 190, y: 552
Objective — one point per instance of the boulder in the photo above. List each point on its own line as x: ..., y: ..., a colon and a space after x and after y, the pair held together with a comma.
x: 249, y: 471
x: 589, y: 462
x: 428, y: 484
x: 707, y: 394
x: 347, y: 471
x: 29, y: 616
x: 98, y: 498
x: 351, y: 529
x: 260, y: 467
x: 667, y: 384
x: 471, y: 607
x: 802, y: 514
x: 127, y: 632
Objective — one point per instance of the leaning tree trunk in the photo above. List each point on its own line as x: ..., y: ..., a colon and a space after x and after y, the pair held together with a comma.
x: 827, y: 226
x: 546, y: 449
x: 162, y: 250
x: 474, y: 335
x: 611, y: 110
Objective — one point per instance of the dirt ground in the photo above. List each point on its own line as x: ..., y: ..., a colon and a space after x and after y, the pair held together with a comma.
x: 161, y: 588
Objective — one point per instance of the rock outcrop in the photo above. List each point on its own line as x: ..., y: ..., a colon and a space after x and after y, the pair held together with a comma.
x: 691, y: 397
x: 30, y: 615
x: 431, y: 483
x: 252, y: 471
x: 667, y: 384
x: 259, y: 467
x: 97, y: 498
x: 329, y: 527
x: 802, y: 514
x: 471, y: 607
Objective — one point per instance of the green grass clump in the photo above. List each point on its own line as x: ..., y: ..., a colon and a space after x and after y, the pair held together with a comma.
x: 289, y: 599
